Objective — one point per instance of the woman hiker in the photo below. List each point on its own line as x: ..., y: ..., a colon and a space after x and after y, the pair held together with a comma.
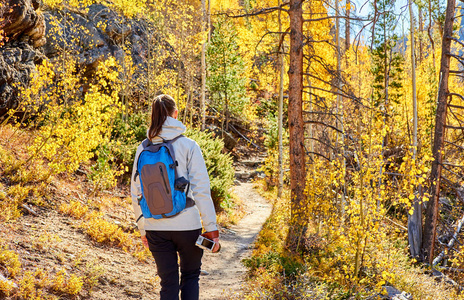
x: 173, y: 237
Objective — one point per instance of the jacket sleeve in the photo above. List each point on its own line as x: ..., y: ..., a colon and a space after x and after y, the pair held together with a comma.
x: 136, y: 192
x: 200, y: 185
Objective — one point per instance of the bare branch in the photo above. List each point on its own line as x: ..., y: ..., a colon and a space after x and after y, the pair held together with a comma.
x: 322, y: 142
x: 335, y: 17
x: 456, y: 40
x: 318, y: 154
x: 320, y: 113
x: 333, y: 92
x: 455, y: 106
x: 458, y: 146
x: 262, y: 11
x: 457, y: 57
x: 324, y: 124
x: 452, y: 165
x: 457, y: 95
x: 454, y: 127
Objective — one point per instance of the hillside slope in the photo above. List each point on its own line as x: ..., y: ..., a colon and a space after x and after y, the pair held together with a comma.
x: 77, y: 243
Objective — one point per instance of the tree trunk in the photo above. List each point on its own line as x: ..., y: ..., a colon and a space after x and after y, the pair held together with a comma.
x: 299, y: 217
x: 429, y: 31
x: 340, y: 137
x: 431, y: 213
x: 347, y: 28
x: 421, y: 29
x: 414, y: 220
x: 203, y: 70
x: 281, y: 104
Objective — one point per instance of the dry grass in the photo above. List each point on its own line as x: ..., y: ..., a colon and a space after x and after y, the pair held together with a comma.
x: 231, y: 214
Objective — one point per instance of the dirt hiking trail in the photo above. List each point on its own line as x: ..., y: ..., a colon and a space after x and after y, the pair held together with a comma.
x: 226, y: 271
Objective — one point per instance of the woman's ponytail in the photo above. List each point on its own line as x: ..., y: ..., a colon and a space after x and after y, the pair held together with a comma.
x: 162, y: 107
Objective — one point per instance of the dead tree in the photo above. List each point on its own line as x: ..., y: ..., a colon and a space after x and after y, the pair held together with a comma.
x: 431, y: 213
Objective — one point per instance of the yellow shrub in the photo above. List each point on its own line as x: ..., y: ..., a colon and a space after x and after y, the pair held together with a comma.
x: 18, y: 192
x: 10, y: 260
x: 93, y: 271
x: 32, y: 174
x: 27, y: 287
x: 103, y: 231
x: 41, y: 278
x: 69, y: 133
x: 143, y: 255
x: 72, y: 285
x: 9, y: 209
x: 45, y: 241
x: 6, y: 287
x: 74, y: 209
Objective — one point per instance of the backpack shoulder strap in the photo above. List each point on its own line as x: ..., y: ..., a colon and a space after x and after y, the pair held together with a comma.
x: 145, y: 144
x: 168, y: 144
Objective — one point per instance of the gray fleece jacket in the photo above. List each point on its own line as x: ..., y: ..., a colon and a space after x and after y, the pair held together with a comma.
x: 191, y: 166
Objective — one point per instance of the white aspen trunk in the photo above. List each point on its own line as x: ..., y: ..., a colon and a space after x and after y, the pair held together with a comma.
x: 281, y: 105
x: 203, y: 70
x: 414, y: 220
x: 339, y: 111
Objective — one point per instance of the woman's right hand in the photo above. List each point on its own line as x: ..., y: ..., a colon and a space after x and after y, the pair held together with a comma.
x: 214, y: 236
x: 217, y: 246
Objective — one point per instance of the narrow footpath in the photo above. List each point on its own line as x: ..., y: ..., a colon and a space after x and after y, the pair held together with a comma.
x: 226, y: 272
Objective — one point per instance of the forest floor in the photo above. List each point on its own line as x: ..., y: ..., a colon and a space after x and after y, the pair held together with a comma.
x: 52, y: 242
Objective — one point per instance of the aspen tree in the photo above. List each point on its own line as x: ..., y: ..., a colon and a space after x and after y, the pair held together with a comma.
x: 203, y: 68
x: 414, y: 220
x: 281, y: 104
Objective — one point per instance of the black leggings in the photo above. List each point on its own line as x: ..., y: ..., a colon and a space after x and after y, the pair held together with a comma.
x: 164, y: 245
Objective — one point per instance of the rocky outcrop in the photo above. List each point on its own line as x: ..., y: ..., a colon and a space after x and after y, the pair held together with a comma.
x: 90, y: 36
x: 22, y: 22
x: 24, y: 29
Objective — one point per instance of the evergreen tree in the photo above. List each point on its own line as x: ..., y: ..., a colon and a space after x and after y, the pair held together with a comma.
x: 387, y: 61
x: 226, y: 80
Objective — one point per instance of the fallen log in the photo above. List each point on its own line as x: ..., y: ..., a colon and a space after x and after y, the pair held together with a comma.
x: 450, y: 243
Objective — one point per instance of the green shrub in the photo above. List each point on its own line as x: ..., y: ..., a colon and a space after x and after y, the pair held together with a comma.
x: 275, y: 262
x: 219, y: 165
x: 127, y: 135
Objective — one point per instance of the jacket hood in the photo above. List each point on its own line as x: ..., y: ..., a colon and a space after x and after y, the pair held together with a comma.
x: 171, y: 129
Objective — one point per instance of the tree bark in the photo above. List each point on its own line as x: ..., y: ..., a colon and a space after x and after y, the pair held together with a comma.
x: 299, y: 218
x: 281, y: 104
x: 347, y: 28
x: 431, y: 213
x: 421, y: 29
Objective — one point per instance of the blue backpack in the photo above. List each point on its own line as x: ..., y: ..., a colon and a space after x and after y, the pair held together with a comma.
x: 164, y: 195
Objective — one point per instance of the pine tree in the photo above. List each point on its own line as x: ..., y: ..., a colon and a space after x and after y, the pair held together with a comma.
x: 387, y: 62
x: 226, y: 81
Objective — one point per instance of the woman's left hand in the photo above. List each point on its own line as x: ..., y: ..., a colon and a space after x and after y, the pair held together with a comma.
x: 145, y: 241
x: 217, y: 246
